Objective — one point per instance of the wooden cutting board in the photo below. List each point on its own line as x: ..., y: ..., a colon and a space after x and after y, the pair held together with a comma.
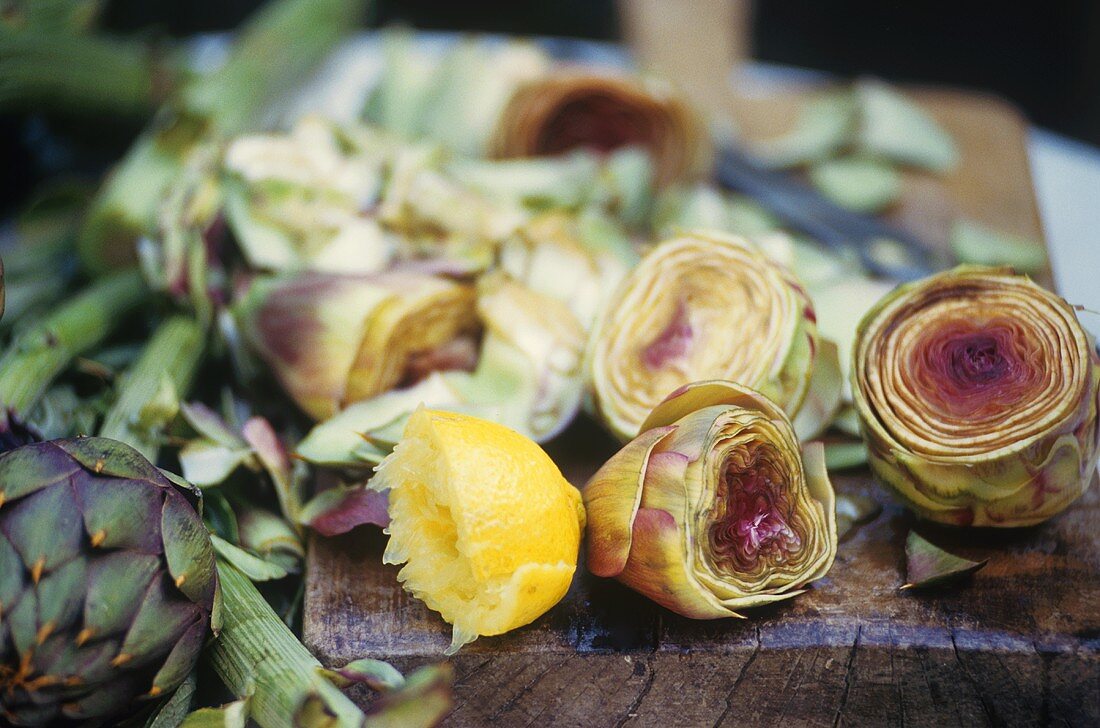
x: 1018, y: 645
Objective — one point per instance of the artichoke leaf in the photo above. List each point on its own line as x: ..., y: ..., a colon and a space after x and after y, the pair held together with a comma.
x: 927, y: 565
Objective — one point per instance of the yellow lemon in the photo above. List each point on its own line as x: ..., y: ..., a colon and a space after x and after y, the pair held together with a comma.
x: 483, y: 521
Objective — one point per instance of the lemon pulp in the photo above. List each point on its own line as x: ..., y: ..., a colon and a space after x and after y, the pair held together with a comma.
x: 484, y: 523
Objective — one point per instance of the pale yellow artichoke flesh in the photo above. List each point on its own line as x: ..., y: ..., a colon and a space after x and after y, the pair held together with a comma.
x: 701, y: 306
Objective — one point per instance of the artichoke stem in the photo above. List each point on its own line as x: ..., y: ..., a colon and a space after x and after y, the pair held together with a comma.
x: 40, y: 353
x: 256, y: 654
x: 83, y: 74
x: 168, y: 362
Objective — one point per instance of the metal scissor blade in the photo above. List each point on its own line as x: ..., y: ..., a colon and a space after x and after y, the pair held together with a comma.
x: 884, y: 250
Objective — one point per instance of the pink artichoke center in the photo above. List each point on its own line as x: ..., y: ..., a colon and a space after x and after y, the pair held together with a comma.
x: 596, y: 121
x: 755, y: 521
x: 972, y: 368
x: 674, y: 342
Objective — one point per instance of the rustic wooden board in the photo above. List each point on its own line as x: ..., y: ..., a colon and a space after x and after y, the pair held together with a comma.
x: 1019, y: 645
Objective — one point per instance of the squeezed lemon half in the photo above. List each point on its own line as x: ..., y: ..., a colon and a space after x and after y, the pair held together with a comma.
x: 483, y: 521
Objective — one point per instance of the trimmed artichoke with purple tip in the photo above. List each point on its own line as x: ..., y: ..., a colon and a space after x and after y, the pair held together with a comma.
x: 713, y: 508
x: 108, y: 585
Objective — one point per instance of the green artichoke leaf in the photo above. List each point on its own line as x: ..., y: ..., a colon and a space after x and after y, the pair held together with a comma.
x: 271, y: 537
x: 824, y: 125
x: 895, y: 127
x: 972, y: 242
x: 845, y: 455
x: 116, y: 583
x: 59, y: 595
x: 12, y: 574
x: 207, y: 463
x: 251, y: 565
x: 823, y: 398
x: 271, y: 453
x: 338, y: 510
x: 187, y: 550
x: 558, y: 183
x: 375, y: 674
x: 422, y: 701
x: 230, y: 715
x: 927, y: 565
x: 399, y: 100
x: 210, y: 425
x: 339, y: 441
x: 863, y: 184
x: 853, y: 509
x: 161, y: 623
x: 172, y: 711
x: 45, y: 529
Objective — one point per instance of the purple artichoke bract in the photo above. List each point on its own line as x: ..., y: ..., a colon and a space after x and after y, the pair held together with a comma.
x: 108, y: 587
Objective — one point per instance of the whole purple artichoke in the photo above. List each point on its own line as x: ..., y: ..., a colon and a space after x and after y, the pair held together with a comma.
x: 107, y: 582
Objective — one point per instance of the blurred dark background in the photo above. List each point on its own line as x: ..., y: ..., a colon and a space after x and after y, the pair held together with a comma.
x: 1044, y: 56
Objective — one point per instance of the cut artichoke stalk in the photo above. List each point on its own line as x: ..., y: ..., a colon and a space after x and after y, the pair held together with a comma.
x: 256, y: 655
x: 182, y: 260
x: 107, y: 578
x: 735, y: 314
x: 44, y: 67
x: 713, y: 509
x: 528, y: 377
x: 334, y: 340
x: 149, y: 395
x: 210, y: 107
x: 977, y: 393
x: 42, y: 351
x: 567, y: 110
x: 295, y: 201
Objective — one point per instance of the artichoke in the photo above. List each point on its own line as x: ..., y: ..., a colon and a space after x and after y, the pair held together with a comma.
x: 568, y: 110
x: 712, y: 509
x: 705, y: 306
x: 977, y: 396
x: 332, y: 340
x: 108, y: 587
x: 529, y: 376
x: 294, y: 200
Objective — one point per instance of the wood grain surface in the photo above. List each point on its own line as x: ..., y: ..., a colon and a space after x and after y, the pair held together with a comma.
x: 1018, y: 645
